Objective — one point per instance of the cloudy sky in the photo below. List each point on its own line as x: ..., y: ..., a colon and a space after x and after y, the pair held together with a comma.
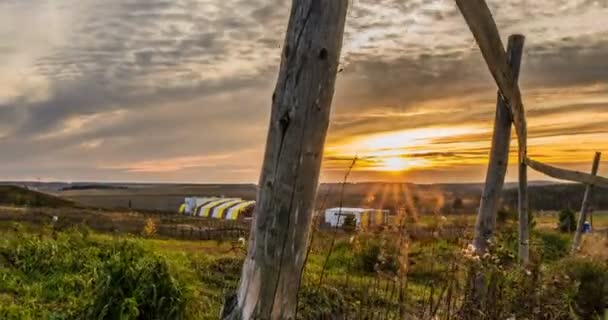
x: 179, y: 90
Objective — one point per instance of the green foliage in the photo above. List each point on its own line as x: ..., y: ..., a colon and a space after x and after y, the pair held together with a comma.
x: 567, y: 220
x: 135, y: 284
x: 505, y: 215
x: 72, y: 276
x: 590, y: 277
x: 551, y: 246
x: 350, y: 223
x: 320, y: 303
x: 375, y: 255
x: 13, y: 195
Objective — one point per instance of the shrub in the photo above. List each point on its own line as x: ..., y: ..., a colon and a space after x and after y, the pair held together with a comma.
x: 567, y: 220
x: 149, y: 228
x: 504, y: 215
x: 320, y: 303
x: 552, y: 246
x: 377, y: 255
x: 591, y: 280
x: 350, y: 224
x: 136, y: 284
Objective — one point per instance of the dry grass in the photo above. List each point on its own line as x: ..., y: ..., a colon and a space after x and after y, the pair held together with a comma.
x: 595, y: 245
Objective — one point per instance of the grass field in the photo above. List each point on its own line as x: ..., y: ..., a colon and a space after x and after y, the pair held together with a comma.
x: 75, y: 273
x: 89, y: 263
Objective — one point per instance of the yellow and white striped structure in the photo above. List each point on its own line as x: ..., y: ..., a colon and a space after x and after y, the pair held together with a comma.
x: 218, y: 208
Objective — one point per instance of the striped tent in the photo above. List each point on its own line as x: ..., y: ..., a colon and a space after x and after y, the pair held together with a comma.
x: 219, y: 208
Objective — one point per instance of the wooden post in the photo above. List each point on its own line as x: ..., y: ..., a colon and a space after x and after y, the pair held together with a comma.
x: 479, y: 18
x: 499, y: 156
x: 522, y: 205
x: 294, y: 149
x: 585, y: 206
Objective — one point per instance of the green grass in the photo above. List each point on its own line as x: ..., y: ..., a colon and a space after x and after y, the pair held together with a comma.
x: 80, y: 274
x: 13, y: 195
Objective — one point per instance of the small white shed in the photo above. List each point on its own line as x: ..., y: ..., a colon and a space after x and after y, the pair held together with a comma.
x: 335, y: 216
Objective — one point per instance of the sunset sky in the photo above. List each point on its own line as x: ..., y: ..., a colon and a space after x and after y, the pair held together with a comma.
x: 179, y: 90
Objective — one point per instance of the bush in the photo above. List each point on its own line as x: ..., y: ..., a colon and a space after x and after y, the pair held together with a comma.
x: 135, y: 284
x: 567, y: 220
x: 320, y: 303
x: 71, y: 276
x: 504, y: 215
x: 350, y: 223
x: 552, y: 246
x: 377, y: 255
x: 591, y: 280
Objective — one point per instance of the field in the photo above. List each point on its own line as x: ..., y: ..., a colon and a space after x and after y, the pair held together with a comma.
x: 77, y: 272
x: 111, y: 264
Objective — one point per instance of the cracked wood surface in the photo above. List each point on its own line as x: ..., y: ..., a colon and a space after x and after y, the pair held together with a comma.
x: 294, y: 149
x: 499, y: 156
x: 479, y: 19
x: 567, y: 175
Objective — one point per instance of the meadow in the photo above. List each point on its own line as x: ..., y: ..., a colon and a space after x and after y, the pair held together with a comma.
x: 77, y: 273
x: 90, y: 263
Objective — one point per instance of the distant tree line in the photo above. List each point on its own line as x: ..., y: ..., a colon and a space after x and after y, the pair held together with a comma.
x: 558, y: 197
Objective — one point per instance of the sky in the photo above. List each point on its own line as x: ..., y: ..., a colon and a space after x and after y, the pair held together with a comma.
x: 180, y: 90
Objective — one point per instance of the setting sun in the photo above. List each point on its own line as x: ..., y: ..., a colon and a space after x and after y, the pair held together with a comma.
x: 395, y: 164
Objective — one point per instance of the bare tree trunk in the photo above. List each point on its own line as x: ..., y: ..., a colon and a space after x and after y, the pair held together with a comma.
x: 585, y: 206
x: 294, y: 149
x: 499, y: 156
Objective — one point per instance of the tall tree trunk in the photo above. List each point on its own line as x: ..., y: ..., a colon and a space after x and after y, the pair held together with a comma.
x: 294, y: 149
x: 585, y: 206
x: 499, y: 155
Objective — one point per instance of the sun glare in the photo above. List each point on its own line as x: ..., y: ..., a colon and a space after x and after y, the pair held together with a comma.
x: 400, y: 151
x: 396, y: 164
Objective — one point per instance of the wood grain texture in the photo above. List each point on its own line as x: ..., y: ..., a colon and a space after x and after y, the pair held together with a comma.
x: 567, y: 175
x: 585, y: 205
x: 499, y: 156
x: 479, y: 19
x: 292, y: 161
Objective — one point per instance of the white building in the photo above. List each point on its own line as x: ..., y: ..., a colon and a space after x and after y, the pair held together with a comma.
x: 218, y: 208
x: 363, y: 216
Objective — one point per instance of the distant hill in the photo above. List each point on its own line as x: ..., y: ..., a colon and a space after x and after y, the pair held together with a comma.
x: 18, y: 196
x: 94, y: 187
x: 444, y: 198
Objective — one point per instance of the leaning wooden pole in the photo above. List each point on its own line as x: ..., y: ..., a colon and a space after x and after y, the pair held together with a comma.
x: 294, y: 148
x: 499, y: 155
x: 585, y: 206
x: 479, y: 18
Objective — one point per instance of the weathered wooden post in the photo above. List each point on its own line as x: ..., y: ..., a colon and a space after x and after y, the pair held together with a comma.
x: 294, y: 149
x: 523, y: 207
x: 499, y: 155
x: 479, y: 19
x: 585, y: 206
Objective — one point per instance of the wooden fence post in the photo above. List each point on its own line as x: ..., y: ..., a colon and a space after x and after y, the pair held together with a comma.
x: 523, y: 208
x: 294, y: 149
x: 585, y: 206
x: 499, y: 155
x: 479, y: 18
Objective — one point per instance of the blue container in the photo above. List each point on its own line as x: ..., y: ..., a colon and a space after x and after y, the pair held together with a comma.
x: 586, y: 227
